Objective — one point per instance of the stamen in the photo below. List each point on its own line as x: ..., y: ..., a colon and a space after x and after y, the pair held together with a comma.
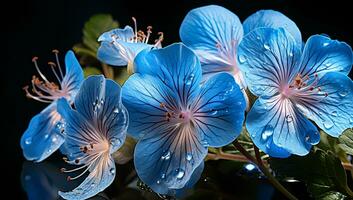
x: 34, y: 60
x: 135, y: 24
x: 160, y: 39
x: 52, y: 65
x: 56, y: 52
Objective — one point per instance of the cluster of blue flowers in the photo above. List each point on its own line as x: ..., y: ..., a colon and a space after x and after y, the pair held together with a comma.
x: 186, y: 97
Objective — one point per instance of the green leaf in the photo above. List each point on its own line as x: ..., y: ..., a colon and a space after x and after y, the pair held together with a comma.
x: 329, y: 143
x: 121, y: 75
x: 87, y: 71
x: 126, y: 152
x: 346, y: 141
x: 322, y: 172
x: 94, y: 27
x: 332, y: 196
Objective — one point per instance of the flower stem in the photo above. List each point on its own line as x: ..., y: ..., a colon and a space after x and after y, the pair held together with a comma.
x: 258, y: 161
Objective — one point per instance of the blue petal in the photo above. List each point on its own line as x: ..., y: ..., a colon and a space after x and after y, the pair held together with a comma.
x: 125, y: 34
x: 73, y: 76
x: 268, y: 57
x: 195, y: 177
x: 332, y: 113
x: 110, y: 54
x: 176, y: 66
x: 278, y: 128
x: 220, y: 110
x: 167, y: 157
x: 272, y: 19
x: 214, y: 33
x: 78, y: 131
x: 98, y: 180
x: 117, y: 47
x: 90, y: 96
x: 322, y: 55
x: 113, y: 116
x: 42, y: 138
x: 143, y: 96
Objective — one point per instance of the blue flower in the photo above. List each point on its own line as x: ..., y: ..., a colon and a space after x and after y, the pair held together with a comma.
x: 294, y: 85
x: 43, y: 136
x: 94, y: 130
x: 214, y: 32
x: 119, y: 47
x: 176, y: 119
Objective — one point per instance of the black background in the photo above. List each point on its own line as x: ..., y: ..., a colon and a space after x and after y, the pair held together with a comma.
x: 34, y: 28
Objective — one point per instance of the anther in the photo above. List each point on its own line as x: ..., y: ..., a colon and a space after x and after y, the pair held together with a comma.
x: 55, y: 51
x: 62, y: 170
x: 68, y: 178
x: 34, y: 59
x: 77, y: 161
x: 52, y: 64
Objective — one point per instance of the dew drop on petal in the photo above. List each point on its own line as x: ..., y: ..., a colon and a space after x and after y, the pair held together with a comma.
x: 213, y: 112
x: 334, y: 113
x: 180, y: 173
x: 54, y: 139
x: 28, y: 141
x: 158, y: 182
x: 267, y: 132
x: 290, y: 54
x: 266, y: 46
x: 351, y: 120
x: 242, y: 59
x: 112, y: 171
x: 258, y: 37
x: 166, y: 156
x: 190, y: 79
x: 46, y: 136
x: 328, y: 124
x: 163, y: 176
x: 325, y: 44
x: 92, y: 184
x: 342, y: 93
x: 116, y: 110
x: 188, y: 156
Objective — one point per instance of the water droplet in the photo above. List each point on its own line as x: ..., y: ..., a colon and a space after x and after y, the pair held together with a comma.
x: 158, y: 181
x: 328, y: 64
x: 180, y: 173
x: 166, y: 156
x: 102, y: 101
x: 46, y: 136
x: 289, y: 118
x: 242, y: 59
x: 268, y: 145
x: 313, y: 138
x: 54, y: 139
x: 188, y: 156
x: 190, y: 79
x: 328, y: 124
x: 342, y: 93
x: 221, y: 96
x: 204, y: 143
x: 267, y: 132
x: 213, y: 112
x: 258, y: 37
x: 334, y: 113
x: 50, y: 150
x: 163, y: 176
x: 28, y: 141
x: 266, y: 46
x: 116, y: 110
x: 112, y: 171
x: 291, y: 54
x: 325, y: 44
x: 92, y: 184
x: 253, y: 135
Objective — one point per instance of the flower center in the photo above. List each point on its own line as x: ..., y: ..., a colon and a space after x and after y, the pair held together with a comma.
x: 91, y: 153
x: 302, y: 85
x: 178, y: 117
x: 44, y: 90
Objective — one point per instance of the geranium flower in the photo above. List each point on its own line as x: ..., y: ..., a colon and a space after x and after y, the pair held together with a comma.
x: 43, y: 136
x: 214, y: 33
x: 294, y: 85
x: 119, y: 47
x: 94, y: 130
x: 175, y: 119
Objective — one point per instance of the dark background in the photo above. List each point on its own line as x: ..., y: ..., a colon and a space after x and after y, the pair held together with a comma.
x: 34, y: 28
